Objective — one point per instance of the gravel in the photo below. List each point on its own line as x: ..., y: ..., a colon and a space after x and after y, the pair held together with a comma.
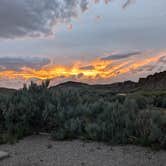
x: 41, y: 151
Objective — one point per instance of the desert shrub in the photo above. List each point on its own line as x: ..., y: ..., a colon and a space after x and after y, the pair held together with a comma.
x: 83, y: 113
x: 16, y: 121
x: 160, y: 101
x: 150, y: 126
x: 93, y: 131
x: 3, y: 107
x: 67, y: 98
x: 73, y: 128
x: 142, y: 102
x: 23, y: 111
x: 163, y: 104
x: 60, y: 134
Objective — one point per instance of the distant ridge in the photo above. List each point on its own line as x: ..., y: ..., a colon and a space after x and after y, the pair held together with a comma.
x: 156, y: 81
x: 72, y: 84
x: 115, y: 87
x: 6, y: 90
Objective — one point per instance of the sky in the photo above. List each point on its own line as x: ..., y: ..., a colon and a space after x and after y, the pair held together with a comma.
x: 91, y: 41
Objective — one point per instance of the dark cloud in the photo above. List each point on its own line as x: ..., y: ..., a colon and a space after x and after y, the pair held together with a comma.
x: 87, y: 68
x: 120, y: 56
x: 17, y: 63
x: 36, y: 18
x: 84, y: 5
x: 146, y: 68
x: 162, y: 59
x: 127, y: 3
x: 20, y: 18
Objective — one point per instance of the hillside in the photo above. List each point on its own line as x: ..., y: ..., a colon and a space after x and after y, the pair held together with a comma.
x: 6, y: 91
x: 151, y: 82
x: 156, y: 81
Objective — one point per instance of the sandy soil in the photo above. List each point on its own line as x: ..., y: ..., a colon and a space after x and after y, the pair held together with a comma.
x: 41, y: 151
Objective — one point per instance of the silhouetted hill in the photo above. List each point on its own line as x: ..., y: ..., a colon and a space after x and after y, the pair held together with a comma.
x: 151, y: 82
x: 156, y: 81
x: 73, y: 84
x: 6, y: 90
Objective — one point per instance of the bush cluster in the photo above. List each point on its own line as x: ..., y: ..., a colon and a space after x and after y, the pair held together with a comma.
x: 73, y: 113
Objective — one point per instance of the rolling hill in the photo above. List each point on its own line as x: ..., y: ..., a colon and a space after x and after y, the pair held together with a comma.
x: 151, y: 82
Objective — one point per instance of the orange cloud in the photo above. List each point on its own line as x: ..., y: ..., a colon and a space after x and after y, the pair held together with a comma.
x: 88, y: 71
x: 98, y: 18
x: 70, y: 27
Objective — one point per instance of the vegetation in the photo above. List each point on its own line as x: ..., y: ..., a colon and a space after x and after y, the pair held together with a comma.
x: 80, y: 113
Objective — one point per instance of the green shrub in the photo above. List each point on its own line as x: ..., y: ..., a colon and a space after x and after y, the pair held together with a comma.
x: 59, y: 134
x: 73, y: 113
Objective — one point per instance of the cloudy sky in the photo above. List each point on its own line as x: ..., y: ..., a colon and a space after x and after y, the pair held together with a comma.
x: 93, y: 41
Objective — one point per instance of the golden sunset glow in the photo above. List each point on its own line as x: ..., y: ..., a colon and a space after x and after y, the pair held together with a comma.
x: 103, y: 69
x: 90, y: 41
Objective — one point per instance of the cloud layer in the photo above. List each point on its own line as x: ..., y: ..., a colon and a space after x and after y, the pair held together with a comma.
x: 96, y: 71
x: 17, y: 64
x: 120, y: 56
x: 36, y: 18
x: 20, y: 18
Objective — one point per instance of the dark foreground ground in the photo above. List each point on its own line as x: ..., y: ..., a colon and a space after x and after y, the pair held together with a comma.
x: 41, y: 151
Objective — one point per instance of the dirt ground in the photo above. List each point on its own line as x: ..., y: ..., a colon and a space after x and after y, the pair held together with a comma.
x: 41, y: 151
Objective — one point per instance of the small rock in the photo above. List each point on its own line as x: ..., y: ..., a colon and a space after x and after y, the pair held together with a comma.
x: 83, y: 164
x: 3, y: 155
x: 49, y: 146
x: 41, y: 160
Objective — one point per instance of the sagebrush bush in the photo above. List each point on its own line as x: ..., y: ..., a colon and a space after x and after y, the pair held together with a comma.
x: 83, y: 114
